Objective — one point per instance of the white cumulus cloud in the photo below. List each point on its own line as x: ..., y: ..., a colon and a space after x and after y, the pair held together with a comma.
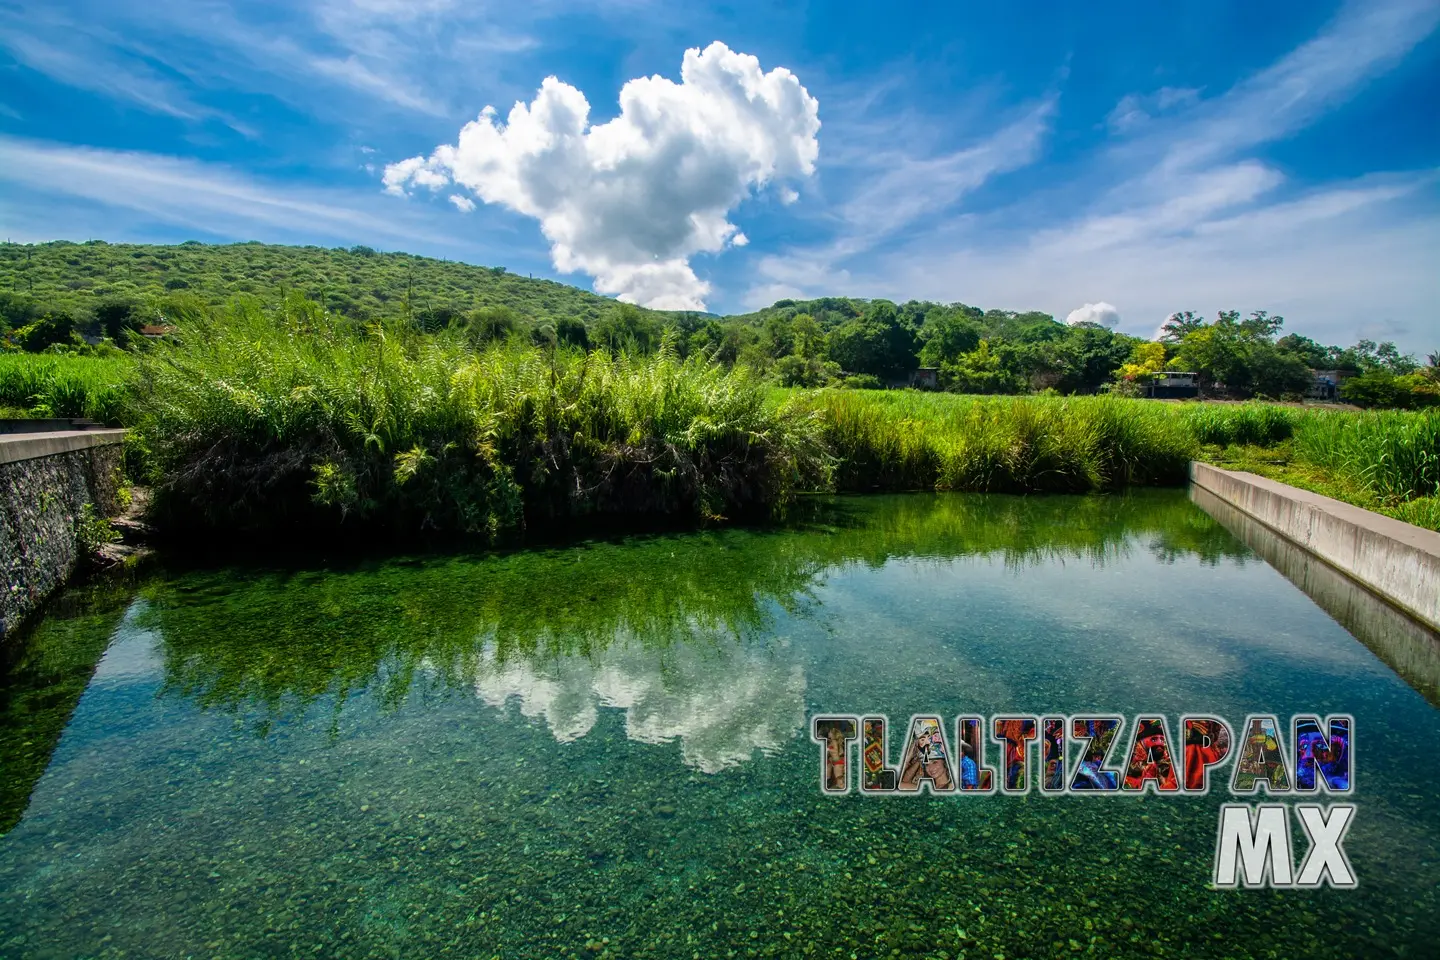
x: 462, y: 203
x: 1102, y: 313
x: 630, y: 201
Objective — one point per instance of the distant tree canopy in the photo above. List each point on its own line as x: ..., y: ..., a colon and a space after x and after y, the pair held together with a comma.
x: 879, y: 342
x: 62, y: 296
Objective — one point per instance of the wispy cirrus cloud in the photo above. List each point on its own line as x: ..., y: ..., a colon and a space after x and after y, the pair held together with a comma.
x: 1135, y: 109
x: 166, y: 56
x: 894, y: 190
x: 210, y: 199
x: 93, y: 58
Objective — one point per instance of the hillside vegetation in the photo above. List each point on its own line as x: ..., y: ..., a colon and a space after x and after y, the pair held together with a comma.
x: 58, y: 296
x: 360, y: 283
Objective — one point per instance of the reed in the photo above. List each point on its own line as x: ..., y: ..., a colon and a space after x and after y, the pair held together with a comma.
x: 266, y: 423
x: 1393, y: 453
x: 60, y: 385
x: 280, y: 421
x: 900, y: 440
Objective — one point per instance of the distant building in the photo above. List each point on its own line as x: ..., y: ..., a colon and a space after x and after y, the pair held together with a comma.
x: 156, y: 330
x: 926, y: 378
x: 1173, y: 385
x: 1326, y: 384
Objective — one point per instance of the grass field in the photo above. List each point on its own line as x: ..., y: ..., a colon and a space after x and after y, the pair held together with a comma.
x: 254, y: 424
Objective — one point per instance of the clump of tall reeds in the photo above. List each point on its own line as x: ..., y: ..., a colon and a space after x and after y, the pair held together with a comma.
x: 1393, y: 453
x: 906, y: 440
x: 1249, y: 424
x: 264, y: 422
x: 66, y: 385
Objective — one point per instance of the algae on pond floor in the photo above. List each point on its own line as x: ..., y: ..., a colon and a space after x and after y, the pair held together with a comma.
x: 600, y: 750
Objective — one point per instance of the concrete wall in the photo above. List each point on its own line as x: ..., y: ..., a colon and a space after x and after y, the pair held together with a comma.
x: 46, y: 479
x: 1398, y: 561
x: 1407, y: 646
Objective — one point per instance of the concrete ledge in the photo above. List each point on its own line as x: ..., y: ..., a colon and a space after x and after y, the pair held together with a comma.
x: 1398, y: 561
x: 1406, y: 645
x: 28, y: 446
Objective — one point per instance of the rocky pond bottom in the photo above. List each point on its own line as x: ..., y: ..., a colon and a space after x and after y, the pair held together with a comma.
x: 600, y: 749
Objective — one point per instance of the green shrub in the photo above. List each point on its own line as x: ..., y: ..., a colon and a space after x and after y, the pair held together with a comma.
x: 1382, y: 389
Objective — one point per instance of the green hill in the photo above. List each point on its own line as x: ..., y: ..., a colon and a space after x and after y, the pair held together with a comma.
x: 359, y: 282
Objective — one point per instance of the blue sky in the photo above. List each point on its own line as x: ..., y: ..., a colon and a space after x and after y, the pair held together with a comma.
x: 1155, y: 157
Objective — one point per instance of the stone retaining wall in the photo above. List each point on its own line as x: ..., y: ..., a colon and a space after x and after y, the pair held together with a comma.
x: 46, y: 482
x: 1398, y: 561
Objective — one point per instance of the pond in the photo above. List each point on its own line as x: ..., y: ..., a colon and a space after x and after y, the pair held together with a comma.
x: 600, y: 748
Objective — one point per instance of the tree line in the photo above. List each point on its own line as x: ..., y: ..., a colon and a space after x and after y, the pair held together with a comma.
x: 830, y: 341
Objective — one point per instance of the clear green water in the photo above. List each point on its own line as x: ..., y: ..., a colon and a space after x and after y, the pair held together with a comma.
x: 599, y: 750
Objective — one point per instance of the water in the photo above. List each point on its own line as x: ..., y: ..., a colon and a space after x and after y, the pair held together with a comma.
x: 600, y: 749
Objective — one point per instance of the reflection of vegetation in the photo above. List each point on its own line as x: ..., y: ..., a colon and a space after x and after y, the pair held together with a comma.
x: 280, y: 639
x: 47, y: 670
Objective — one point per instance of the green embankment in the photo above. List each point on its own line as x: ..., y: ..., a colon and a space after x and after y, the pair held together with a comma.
x: 260, y: 423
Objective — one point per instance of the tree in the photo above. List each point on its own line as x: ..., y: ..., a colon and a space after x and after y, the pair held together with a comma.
x: 1145, y: 359
x: 117, y: 318
x: 1384, y: 356
x: 1180, y: 325
x: 489, y: 324
x: 572, y: 332
x: 1378, y: 387
x: 1313, y: 355
x: 435, y: 319
x: 1271, y: 372
x: 979, y: 371
x: 1213, y: 352
x: 1080, y: 359
x: 52, y: 328
x: 777, y: 336
x: 1242, y: 354
x: 1260, y: 325
x: 16, y: 311
x: 877, y: 343
x: 809, y: 338
x: 799, y: 371
x: 945, y: 336
x: 626, y: 329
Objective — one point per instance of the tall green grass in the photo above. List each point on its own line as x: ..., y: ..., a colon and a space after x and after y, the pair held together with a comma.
x: 59, y: 385
x: 897, y: 440
x: 1224, y: 424
x: 279, y: 422
x: 1393, y: 453
x: 258, y: 423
